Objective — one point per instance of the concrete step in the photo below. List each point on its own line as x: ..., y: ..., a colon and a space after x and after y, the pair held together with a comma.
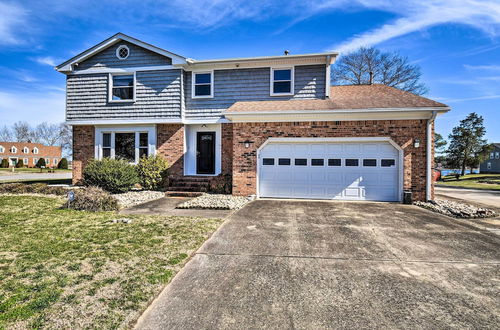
x: 184, y: 188
x: 172, y: 193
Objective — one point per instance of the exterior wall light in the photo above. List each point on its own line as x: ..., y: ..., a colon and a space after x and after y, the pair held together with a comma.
x: 247, y: 144
x: 416, y: 143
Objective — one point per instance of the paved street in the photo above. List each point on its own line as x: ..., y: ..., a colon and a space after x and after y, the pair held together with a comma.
x: 488, y: 198
x: 34, y: 176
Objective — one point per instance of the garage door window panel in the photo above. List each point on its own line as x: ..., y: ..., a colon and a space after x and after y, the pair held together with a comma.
x: 300, y: 162
x: 317, y: 162
x: 284, y: 161
x: 268, y: 161
x: 369, y: 162
x: 388, y: 163
x: 352, y: 162
x: 334, y: 162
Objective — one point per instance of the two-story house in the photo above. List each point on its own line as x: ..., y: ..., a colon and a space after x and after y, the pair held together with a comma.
x: 492, y: 163
x: 29, y: 153
x: 272, y: 126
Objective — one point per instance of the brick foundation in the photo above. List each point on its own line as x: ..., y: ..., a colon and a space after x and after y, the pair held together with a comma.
x: 403, y: 132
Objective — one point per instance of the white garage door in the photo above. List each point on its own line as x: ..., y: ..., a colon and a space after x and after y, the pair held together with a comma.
x: 329, y: 170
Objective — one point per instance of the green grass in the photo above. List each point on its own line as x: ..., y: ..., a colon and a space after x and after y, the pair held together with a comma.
x: 73, y: 269
x: 490, y: 181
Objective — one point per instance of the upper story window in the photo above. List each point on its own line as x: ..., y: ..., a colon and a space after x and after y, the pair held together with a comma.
x: 202, y: 84
x: 497, y: 155
x: 13, y: 150
x: 282, y: 81
x: 122, y: 52
x: 35, y: 150
x: 2, y: 149
x: 26, y: 150
x: 122, y: 88
x: 492, y: 155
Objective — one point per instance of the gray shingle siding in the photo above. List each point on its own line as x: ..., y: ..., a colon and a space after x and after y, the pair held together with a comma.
x: 138, y: 57
x: 158, y: 95
x: 495, y: 162
x: 251, y: 85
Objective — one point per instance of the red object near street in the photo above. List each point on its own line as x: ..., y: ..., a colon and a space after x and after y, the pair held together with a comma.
x: 437, y: 175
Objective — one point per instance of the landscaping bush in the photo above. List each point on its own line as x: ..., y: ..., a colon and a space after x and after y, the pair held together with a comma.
x: 112, y: 175
x: 5, y: 163
x: 152, y: 172
x: 19, y: 164
x: 35, y: 188
x: 92, y: 199
x: 40, y: 163
x: 63, y: 164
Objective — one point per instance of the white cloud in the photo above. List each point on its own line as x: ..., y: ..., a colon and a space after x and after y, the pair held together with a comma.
x: 475, y: 98
x: 12, y: 17
x: 482, y: 67
x: 33, y: 107
x: 418, y: 15
x: 47, y: 60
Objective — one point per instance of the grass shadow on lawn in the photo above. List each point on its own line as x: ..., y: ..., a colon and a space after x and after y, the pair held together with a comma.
x: 66, y: 268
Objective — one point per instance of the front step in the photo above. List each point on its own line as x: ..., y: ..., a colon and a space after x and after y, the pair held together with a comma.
x: 172, y: 193
x: 188, y: 188
x: 189, y: 184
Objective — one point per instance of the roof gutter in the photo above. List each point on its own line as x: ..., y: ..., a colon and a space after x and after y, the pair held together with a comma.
x: 429, y: 184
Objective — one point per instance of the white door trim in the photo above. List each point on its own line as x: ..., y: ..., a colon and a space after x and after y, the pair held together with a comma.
x: 335, y: 140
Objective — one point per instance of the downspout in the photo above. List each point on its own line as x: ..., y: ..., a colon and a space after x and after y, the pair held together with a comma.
x: 430, y: 121
x: 328, y: 77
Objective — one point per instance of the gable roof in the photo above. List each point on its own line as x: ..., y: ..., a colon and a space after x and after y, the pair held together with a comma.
x: 376, y: 96
x: 68, y: 65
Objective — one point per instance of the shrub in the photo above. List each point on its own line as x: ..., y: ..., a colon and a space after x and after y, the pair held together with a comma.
x: 40, y: 163
x: 5, y: 163
x: 152, y: 172
x: 112, y: 175
x: 35, y: 188
x: 92, y: 199
x: 19, y: 164
x: 63, y: 164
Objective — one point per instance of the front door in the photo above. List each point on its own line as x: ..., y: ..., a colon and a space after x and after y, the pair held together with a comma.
x: 205, y: 153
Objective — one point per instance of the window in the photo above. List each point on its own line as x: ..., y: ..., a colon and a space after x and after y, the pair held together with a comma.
x: 47, y: 161
x: 282, y: 81
x: 388, y: 163
x: 35, y: 160
x: 300, y: 162
x: 492, y: 155
x: 25, y: 161
x: 35, y: 150
x: 55, y: 161
x: 497, y: 155
x: 488, y: 165
x: 143, y: 145
x: 2, y: 149
x: 202, y: 85
x: 351, y: 162
x: 128, y: 144
x: 334, y: 162
x: 125, y: 146
x: 26, y: 150
x: 122, y: 88
x: 317, y: 162
x: 106, y: 145
x: 284, y: 161
x: 122, y: 52
x: 369, y: 162
x: 268, y: 161
x: 13, y: 150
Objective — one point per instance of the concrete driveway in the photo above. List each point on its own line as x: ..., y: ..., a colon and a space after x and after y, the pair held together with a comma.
x: 312, y: 265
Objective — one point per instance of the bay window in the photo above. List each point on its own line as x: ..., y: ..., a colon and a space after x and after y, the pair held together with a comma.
x: 128, y: 143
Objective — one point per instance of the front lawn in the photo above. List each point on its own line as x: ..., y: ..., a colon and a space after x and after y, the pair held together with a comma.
x: 73, y: 269
x: 476, y: 181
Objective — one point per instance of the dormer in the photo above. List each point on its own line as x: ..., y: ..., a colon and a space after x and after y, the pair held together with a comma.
x: 2, y: 149
x: 13, y: 150
x: 35, y: 150
x: 26, y: 150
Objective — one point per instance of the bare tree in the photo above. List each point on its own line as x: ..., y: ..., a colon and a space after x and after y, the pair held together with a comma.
x: 390, y: 69
x: 48, y: 134
x: 66, y: 139
x: 5, y: 134
x: 22, y: 131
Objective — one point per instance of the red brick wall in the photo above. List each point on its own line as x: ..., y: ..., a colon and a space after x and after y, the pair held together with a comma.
x: 403, y: 132
x: 50, y: 152
x: 83, y: 150
x: 227, y: 149
x: 170, y: 145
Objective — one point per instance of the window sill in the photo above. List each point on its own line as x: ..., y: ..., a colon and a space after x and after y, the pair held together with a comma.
x: 121, y: 101
x: 203, y: 97
x: 281, y: 94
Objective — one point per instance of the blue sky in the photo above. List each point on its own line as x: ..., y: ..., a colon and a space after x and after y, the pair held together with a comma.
x: 456, y: 42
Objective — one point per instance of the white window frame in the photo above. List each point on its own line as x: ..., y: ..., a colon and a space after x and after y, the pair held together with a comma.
x: 99, y: 131
x: 492, y: 155
x: 497, y: 155
x: 35, y: 150
x: 110, y: 89
x: 47, y: 161
x: 35, y: 160
x: 26, y: 150
x: 488, y: 165
x: 54, y: 161
x: 25, y: 161
x: 13, y: 149
x: 117, y: 53
x: 193, y: 84
x: 2, y: 149
x: 292, y: 81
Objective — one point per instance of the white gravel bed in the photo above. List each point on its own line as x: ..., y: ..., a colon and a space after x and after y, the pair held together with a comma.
x: 132, y: 198
x: 457, y: 210
x: 215, y: 202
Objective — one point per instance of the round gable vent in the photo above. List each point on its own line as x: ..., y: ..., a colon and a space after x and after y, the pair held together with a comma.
x: 122, y: 52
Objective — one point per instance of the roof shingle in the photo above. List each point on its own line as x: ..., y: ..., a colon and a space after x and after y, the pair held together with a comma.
x: 345, y: 97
